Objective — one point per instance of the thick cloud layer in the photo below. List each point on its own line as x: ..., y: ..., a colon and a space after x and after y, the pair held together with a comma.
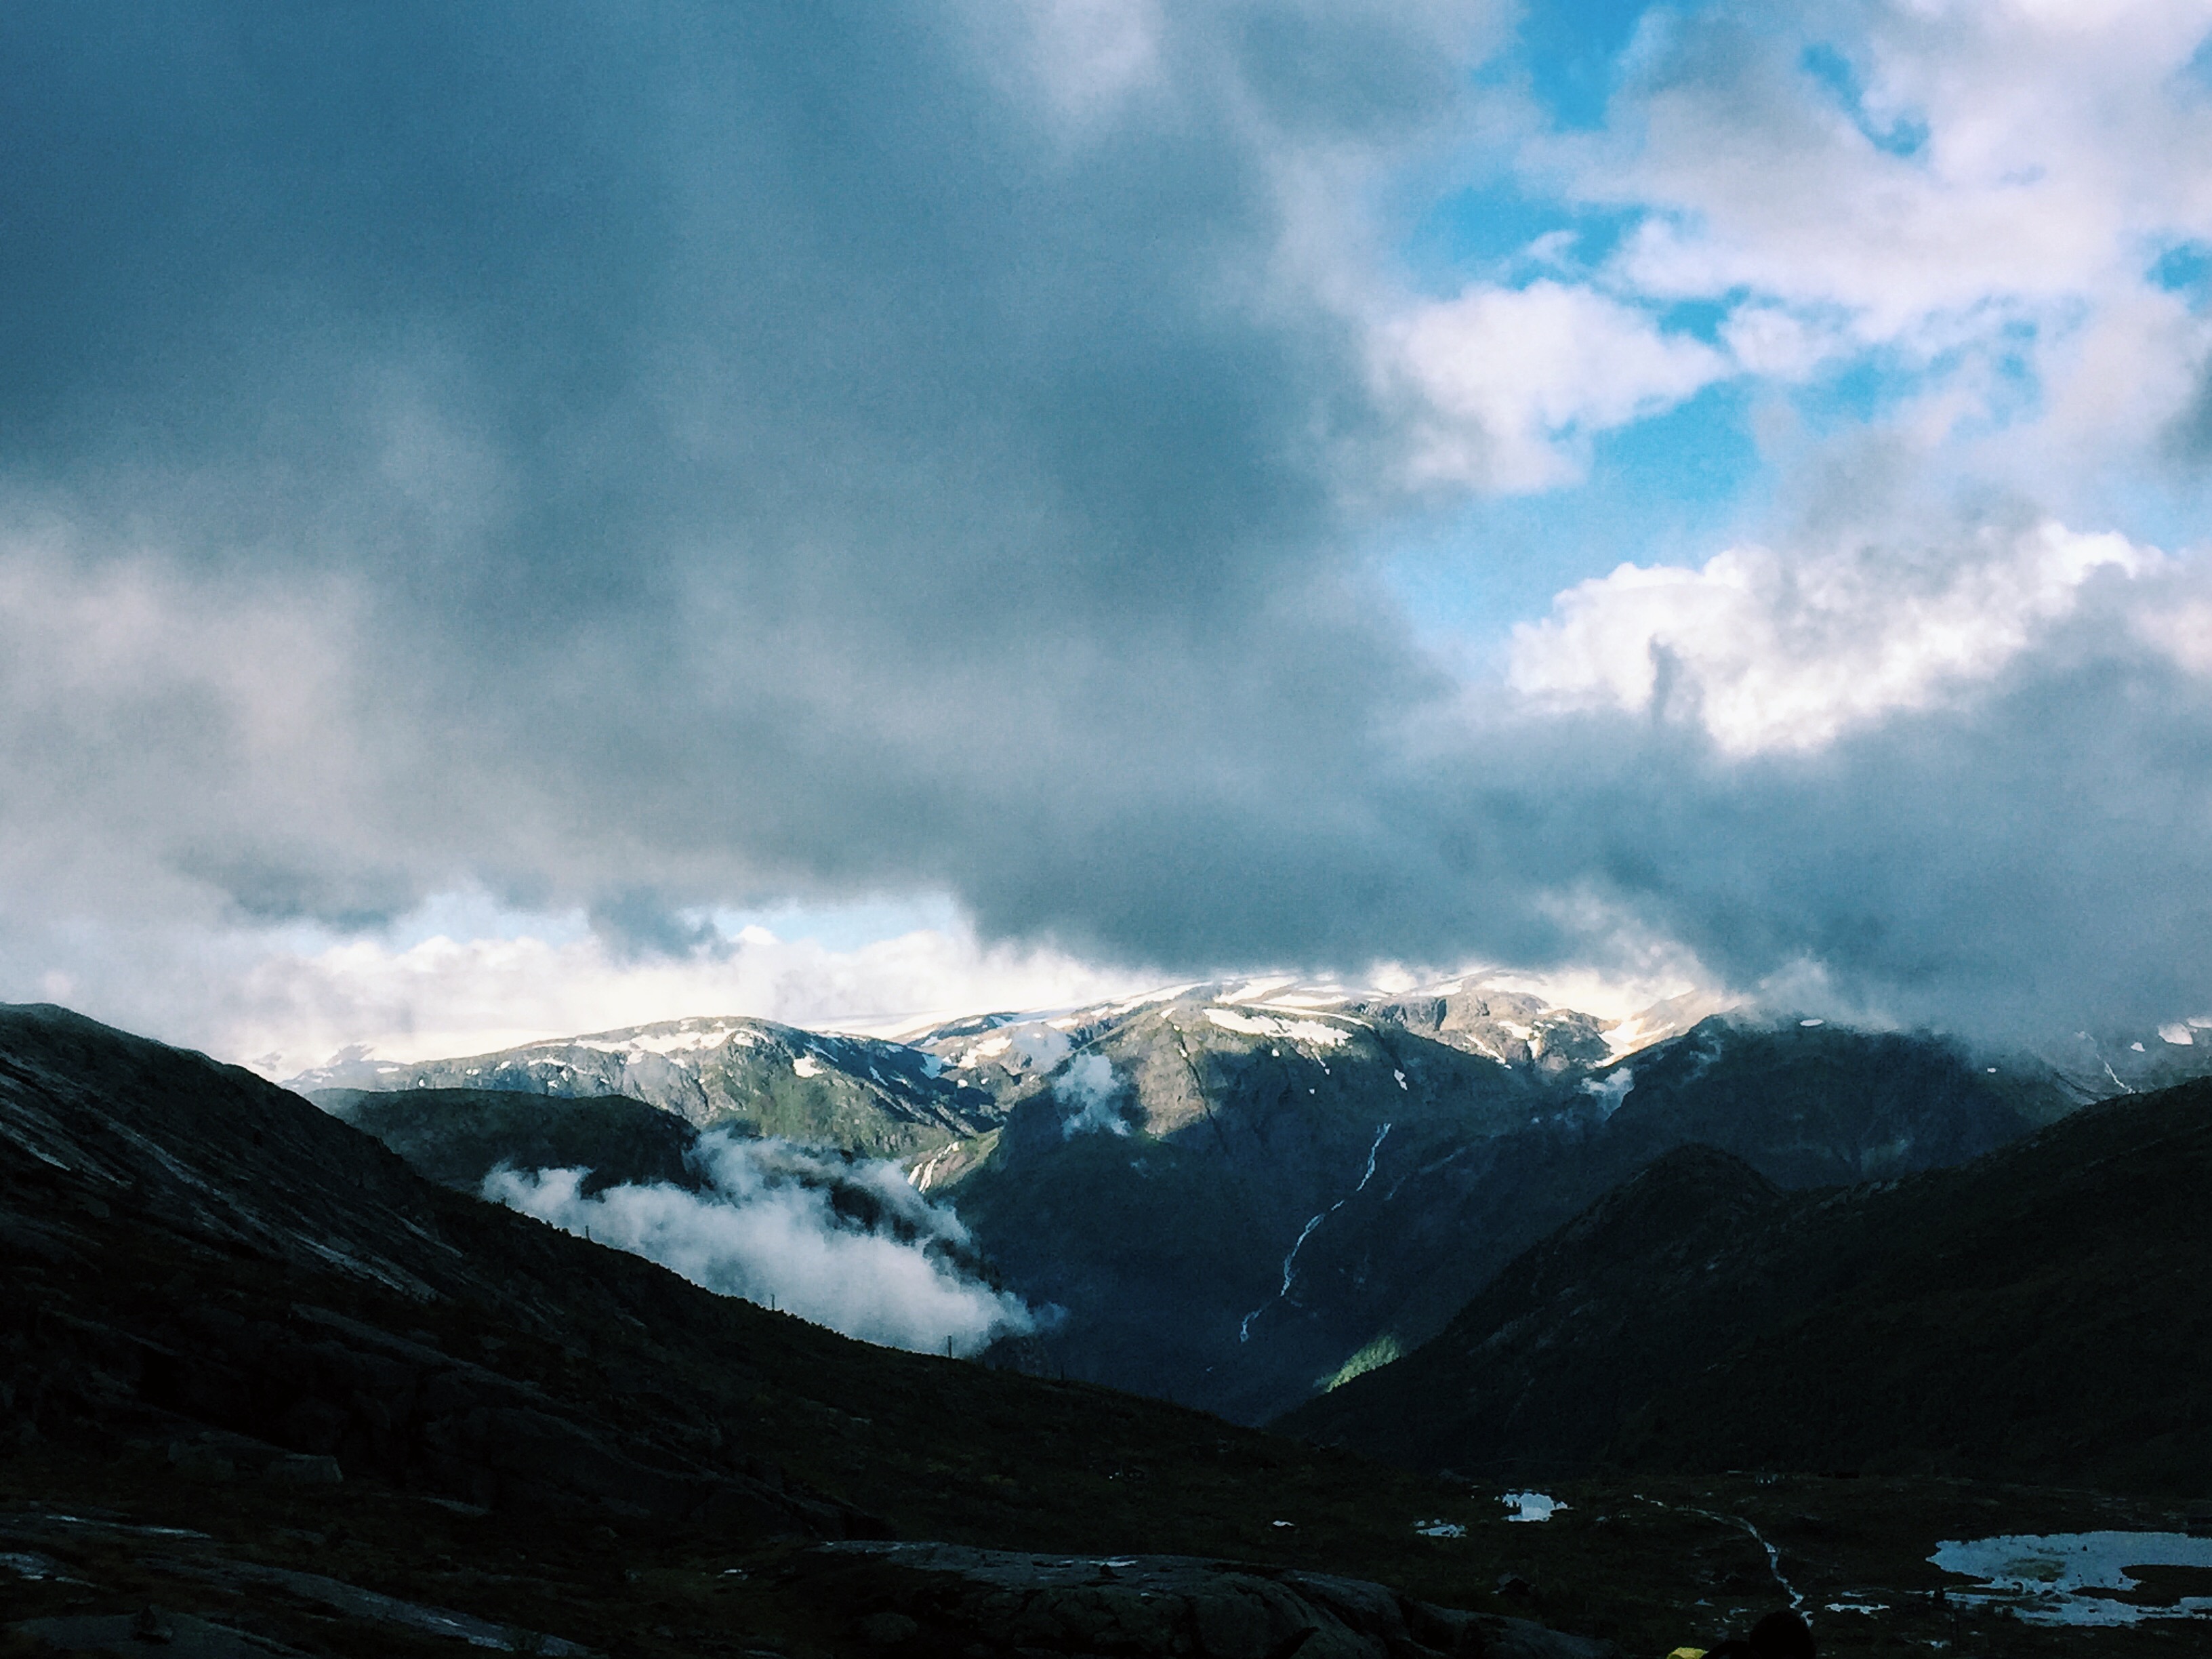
x: 757, y: 450
x: 767, y: 1228
x: 629, y: 463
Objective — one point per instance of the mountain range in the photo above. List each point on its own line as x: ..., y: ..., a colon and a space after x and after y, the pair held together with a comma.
x: 1236, y: 1196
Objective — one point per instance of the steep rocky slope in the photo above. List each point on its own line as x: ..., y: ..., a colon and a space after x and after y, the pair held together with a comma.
x: 1164, y: 1184
x: 458, y: 1136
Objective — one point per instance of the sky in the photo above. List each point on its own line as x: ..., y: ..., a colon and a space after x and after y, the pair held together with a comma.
x: 517, y: 519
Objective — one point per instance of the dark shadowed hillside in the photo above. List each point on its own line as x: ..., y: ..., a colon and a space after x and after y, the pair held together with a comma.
x: 1236, y: 1247
x: 457, y: 1136
x: 1539, y: 1370
x: 2036, y: 1313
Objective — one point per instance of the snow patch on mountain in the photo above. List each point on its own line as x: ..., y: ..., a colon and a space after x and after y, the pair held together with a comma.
x: 1278, y: 1029
x: 1168, y: 994
x: 686, y: 1038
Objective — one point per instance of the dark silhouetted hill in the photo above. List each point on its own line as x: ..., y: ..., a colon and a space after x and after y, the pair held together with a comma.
x: 2036, y: 1313
x: 458, y: 1136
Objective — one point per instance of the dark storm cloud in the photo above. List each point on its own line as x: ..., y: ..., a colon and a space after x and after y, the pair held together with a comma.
x: 647, y: 458
x: 2033, y: 855
x: 764, y: 445
x: 2188, y: 437
x: 640, y: 924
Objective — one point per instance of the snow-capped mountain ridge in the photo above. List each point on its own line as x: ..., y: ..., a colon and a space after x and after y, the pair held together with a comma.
x: 863, y: 1094
x: 1512, y: 1028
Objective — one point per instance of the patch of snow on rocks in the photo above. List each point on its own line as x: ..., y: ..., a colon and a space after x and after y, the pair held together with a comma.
x: 694, y: 1041
x: 1291, y: 1030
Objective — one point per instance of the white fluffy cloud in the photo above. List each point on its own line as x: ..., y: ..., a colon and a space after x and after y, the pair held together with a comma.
x: 1969, y: 205
x: 1975, y: 197
x: 1772, y: 652
x: 1088, y: 1089
x: 1907, y: 163
x: 1510, y: 384
x: 445, y: 996
x: 765, y: 1229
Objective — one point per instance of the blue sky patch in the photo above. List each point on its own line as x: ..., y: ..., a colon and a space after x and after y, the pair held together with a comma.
x: 1483, y: 234
x: 1572, y: 55
x: 2185, y: 268
x: 1665, y: 491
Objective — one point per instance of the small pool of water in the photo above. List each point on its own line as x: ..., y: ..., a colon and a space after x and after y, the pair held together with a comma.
x: 2085, y: 1577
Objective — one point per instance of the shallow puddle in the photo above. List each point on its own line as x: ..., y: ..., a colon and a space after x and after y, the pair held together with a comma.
x: 2086, y: 1578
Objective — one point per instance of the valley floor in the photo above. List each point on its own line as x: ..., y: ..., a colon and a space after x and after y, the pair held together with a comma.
x: 1654, y: 1563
